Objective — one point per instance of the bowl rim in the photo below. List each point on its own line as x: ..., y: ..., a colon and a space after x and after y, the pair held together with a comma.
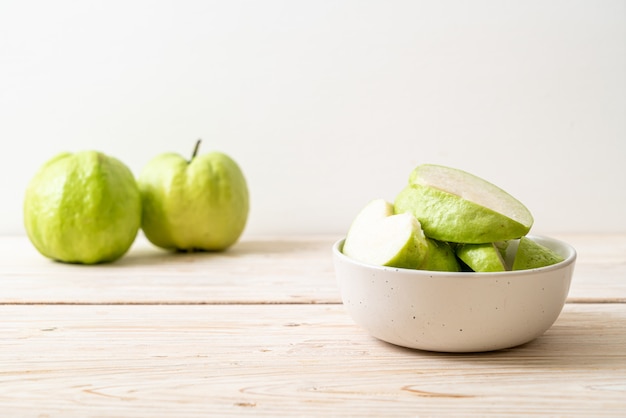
x: 570, y: 258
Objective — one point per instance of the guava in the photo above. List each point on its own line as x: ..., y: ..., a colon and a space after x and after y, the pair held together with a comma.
x: 200, y: 204
x: 82, y: 207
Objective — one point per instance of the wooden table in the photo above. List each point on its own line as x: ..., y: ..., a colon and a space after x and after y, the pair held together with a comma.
x: 260, y: 330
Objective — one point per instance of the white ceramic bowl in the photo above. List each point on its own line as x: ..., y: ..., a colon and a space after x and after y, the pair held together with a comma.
x: 459, y: 311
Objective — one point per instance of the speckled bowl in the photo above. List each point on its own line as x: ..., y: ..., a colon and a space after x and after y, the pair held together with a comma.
x: 455, y: 312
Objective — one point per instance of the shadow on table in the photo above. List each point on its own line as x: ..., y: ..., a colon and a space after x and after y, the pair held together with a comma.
x: 261, y: 248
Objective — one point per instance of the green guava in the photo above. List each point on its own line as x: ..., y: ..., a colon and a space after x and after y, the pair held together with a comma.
x: 200, y: 204
x: 82, y: 207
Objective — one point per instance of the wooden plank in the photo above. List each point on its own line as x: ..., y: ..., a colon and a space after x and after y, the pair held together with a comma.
x: 303, y: 360
x: 256, y: 270
x: 259, y: 270
x: 600, y: 272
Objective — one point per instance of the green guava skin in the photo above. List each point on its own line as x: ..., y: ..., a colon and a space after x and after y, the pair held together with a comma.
x: 197, y: 205
x: 439, y: 257
x: 446, y: 217
x: 481, y: 257
x: 83, y: 208
x: 531, y: 255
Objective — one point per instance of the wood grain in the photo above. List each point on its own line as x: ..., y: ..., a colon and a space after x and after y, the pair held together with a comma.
x: 256, y: 270
x: 259, y: 330
x: 304, y: 360
x: 260, y: 270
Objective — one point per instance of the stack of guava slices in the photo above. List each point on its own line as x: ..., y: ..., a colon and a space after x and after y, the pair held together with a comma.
x: 446, y: 219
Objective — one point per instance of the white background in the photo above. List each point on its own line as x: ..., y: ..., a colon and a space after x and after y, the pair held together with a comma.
x: 328, y: 104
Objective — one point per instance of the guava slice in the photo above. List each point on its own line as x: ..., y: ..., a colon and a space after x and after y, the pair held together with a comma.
x: 455, y: 206
x: 379, y: 236
x: 481, y: 257
x: 440, y: 257
x: 530, y: 254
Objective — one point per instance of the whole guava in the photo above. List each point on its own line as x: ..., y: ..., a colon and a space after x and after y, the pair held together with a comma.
x: 82, y: 207
x: 201, y: 204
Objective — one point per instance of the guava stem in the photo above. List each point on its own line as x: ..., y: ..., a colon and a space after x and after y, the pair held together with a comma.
x: 195, y: 149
